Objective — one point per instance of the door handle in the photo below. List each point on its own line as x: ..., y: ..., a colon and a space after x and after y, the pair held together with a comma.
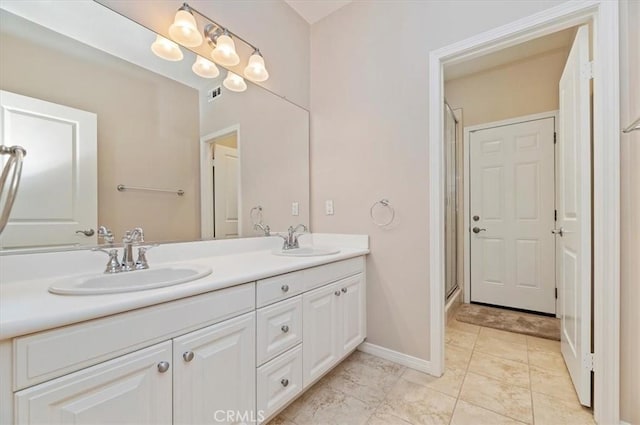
x: 88, y: 232
x: 559, y: 231
x: 478, y: 230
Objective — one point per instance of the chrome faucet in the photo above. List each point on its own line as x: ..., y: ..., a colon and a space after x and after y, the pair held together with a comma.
x: 131, y: 238
x: 291, y: 239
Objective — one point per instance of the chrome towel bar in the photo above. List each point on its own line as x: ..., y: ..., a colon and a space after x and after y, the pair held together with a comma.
x: 122, y: 188
x: 633, y: 127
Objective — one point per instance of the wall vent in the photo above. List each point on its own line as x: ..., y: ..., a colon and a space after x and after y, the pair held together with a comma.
x: 213, y: 94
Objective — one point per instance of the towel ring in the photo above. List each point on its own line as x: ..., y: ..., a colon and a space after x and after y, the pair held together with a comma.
x: 382, y: 203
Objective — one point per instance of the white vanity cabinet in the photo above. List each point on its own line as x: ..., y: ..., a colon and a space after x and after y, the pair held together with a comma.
x: 334, y: 325
x: 203, y: 371
x: 233, y: 355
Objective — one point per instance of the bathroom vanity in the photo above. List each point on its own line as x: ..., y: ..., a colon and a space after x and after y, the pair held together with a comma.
x: 235, y: 346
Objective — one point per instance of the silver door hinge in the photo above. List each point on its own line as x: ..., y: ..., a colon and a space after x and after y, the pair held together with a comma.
x: 588, y: 70
x: 556, y: 293
x: 588, y: 361
x: 555, y: 137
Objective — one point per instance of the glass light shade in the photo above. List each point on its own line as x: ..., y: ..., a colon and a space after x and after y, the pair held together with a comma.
x: 256, y: 70
x: 205, y: 68
x: 234, y: 82
x: 166, y: 49
x: 184, y: 29
x: 225, y: 51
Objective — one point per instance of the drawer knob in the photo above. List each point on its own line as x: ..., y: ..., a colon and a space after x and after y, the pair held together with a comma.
x: 285, y: 288
x: 344, y: 290
x: 337, y: 293
x: 285, y: 328
x: 284, y: 382
x: 188, y: 356
x: 163, y: 367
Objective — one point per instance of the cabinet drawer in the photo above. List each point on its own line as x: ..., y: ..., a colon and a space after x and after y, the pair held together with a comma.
x: 49, y: 354
x: 321, y: 275
x: 279, y: 381
x: 279, y: 328
x: 279, y: 288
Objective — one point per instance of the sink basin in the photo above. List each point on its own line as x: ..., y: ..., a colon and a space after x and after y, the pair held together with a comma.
x: 306, y: 251
x: 139, y: 280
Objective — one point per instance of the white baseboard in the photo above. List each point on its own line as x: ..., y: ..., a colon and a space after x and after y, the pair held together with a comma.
x: 624, y: 423
x: 396, y: 357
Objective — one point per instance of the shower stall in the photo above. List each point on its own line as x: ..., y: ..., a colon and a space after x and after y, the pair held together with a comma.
x: 451, y: 201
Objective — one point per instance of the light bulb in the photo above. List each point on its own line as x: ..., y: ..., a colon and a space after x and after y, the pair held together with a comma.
x: 166, y: 49
x: 256, y: 70
x: 205, y: 68
x: 234, y: 82
x: 225, y: 51
x: 184, y: 29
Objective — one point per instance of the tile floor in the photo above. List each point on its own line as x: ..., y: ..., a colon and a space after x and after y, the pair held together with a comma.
x: 492, y: 377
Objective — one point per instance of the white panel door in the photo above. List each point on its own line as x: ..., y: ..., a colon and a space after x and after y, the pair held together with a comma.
x: 352, y: 307
x: 321, y: 327
x: 512, y: 210
x: 58, y: 191
x: 130, y: 389
x: 574, y: 215
x: 215, y: 373
x: 225, y: 188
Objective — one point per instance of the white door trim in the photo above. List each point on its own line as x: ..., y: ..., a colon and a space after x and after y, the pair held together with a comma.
x: 466, y: 172
x: 206, y: 180
x: 603, y: 16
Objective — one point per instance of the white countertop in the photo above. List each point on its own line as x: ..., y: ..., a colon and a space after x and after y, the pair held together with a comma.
x: 26, y: 305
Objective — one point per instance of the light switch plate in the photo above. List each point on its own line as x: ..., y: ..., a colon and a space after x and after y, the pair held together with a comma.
x: 328, y: 207
x: 295, y: 208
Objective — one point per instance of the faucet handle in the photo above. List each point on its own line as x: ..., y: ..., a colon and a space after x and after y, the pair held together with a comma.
x: 106, y: 234
x: 141, y: 262
x: 113, y: 265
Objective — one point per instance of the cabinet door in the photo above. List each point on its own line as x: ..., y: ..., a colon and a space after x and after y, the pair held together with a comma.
x: 352, y: 313
x: 320, y: 331
x: 126, y: 390
x: 215, y: 372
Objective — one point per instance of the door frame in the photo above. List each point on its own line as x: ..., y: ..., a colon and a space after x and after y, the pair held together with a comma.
x: 466, y: 171
x: 206, y: 180
x: 603, y: 16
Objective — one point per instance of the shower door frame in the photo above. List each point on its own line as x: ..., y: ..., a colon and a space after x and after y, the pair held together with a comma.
x: 603, y: 16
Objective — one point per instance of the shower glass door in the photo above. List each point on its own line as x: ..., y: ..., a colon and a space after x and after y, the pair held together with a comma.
x: 451, y: 204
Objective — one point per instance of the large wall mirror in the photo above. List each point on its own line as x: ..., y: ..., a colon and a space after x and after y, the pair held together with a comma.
x: 116, y: 136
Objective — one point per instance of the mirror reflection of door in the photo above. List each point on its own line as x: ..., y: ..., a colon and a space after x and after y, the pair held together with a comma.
x: 225, y: 186
x: 56, y: 204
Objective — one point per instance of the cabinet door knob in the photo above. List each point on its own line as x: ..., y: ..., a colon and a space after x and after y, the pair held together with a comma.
x: 188, y: 356
x: 344, y: 290
x: 337, y: 293
x: 285, y: 288
x: 285, y: 328
x: 284, y: 382
x: 163, y: 367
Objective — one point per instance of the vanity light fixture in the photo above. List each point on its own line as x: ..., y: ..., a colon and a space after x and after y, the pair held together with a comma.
x: 255, y: 70
x: 166, y: 49
x: 184, y: 29
x: 234, y: 82
x: 205, y: 68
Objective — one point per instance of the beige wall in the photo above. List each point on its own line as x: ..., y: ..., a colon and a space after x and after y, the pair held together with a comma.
x: 148, y: 131
x: 525, y: 87
x: 369, y: 141
x: 630, y: 217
